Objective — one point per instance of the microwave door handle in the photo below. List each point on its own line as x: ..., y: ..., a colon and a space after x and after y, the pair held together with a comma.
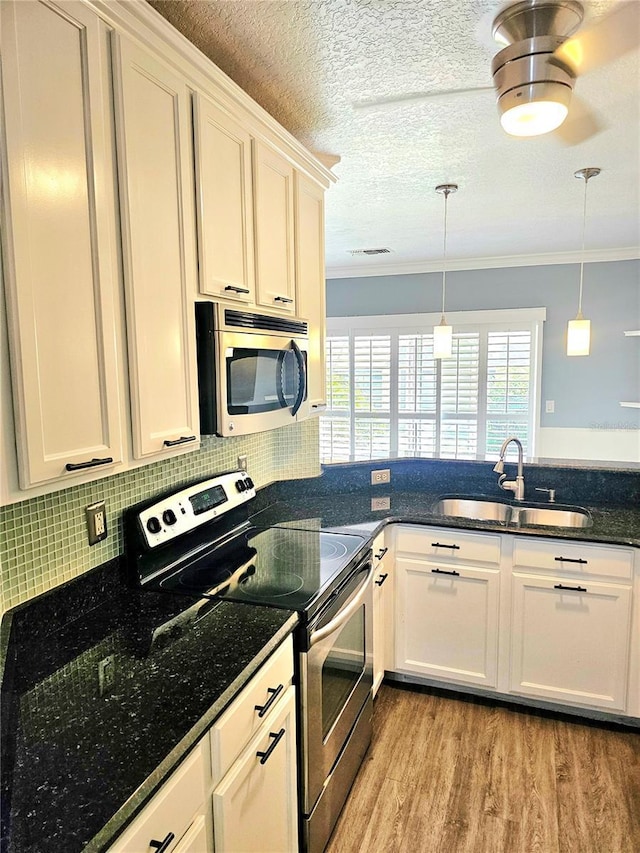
x: 302, y: 390
x: 344, y: 615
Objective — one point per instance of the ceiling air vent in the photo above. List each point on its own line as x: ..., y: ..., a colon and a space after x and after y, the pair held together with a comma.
x: 369, y: 251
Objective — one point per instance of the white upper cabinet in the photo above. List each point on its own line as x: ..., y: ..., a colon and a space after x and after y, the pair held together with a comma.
x: 224, y: 203
x: 310, y: 280
x: 274, y: 229
x: 59, y: 241
x: 153, y: 131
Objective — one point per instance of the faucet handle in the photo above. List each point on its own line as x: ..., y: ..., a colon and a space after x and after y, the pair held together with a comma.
x: 550, y: 492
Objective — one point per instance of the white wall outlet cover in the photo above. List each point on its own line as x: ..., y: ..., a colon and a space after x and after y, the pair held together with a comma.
x: 380, y: 503
x: 96, y: 516
x: 382, y: 475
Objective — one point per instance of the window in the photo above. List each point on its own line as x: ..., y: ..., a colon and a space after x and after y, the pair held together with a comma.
x: 387, y: 396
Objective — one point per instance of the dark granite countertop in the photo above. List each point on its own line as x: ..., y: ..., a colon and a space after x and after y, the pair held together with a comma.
x: 342, y: 498
x: 78, y: 761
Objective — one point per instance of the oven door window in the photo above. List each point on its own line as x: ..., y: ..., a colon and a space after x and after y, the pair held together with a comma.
x: 261, y: 380
x: 342, y: 669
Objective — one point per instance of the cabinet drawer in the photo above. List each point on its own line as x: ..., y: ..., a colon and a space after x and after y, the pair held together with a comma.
x: 576, y: 558
x: 242, y: 719
x: 442, y: 545
x: 170, y: 810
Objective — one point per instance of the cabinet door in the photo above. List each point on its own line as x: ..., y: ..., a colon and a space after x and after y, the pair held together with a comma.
x: 60, y: 262
x: 447, y: 621
x: 156, y: 178
x: 274, y: 232
x: 225, y: 206
x: 310, y: 281
x: 570, y: 645
x: 255, y: 805
x: 381, y: 616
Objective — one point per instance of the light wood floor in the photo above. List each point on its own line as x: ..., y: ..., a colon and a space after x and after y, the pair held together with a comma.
x: 445, y: 775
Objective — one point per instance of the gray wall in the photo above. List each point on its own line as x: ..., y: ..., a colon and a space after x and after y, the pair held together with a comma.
x: 586, y: 390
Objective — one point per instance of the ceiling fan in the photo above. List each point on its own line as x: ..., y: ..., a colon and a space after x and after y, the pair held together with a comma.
x: 535, y: 72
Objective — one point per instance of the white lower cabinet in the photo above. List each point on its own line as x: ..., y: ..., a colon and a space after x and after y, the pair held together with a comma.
x: 382, y: 618
x: 547, y: 619
x: 448, y: 622
x: 255, y: 805
x: 447, y: 604
x: 570, y: 640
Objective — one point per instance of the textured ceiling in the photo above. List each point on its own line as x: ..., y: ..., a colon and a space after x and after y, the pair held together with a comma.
x: 308, y: 61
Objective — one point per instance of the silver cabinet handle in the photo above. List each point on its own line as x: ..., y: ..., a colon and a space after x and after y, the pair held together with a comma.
x: 284, y: 299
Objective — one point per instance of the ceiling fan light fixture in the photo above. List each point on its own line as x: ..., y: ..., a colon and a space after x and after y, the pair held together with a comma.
x: 534, y: 109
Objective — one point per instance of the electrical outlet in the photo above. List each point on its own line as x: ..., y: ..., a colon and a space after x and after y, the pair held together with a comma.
x: 242, y: 462
x: 96, y: 522
x: 380, y: 503
x: 550, y: 407
x: 383, y: 475
x: 106, y: 673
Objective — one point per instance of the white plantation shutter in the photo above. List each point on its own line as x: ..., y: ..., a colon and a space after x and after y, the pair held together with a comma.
x: 508, y: 388
x: 387, y: 396
x: 335, y: 427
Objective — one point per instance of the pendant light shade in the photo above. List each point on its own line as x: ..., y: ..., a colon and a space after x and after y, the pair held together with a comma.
x: 442, y: 339
x: 443, y: 333
x: 579, y: 330
x: 578, y: 336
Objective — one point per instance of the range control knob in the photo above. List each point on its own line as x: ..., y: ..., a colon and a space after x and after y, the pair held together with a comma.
x: 248, y: 483
x: 169, y: 517
x: 153, y: 525
x: 241, y: 485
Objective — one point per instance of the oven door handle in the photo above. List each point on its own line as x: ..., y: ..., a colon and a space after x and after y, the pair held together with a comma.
x: 303, y: 378
x: 344, y: 615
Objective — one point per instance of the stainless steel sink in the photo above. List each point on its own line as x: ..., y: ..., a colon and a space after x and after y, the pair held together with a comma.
x: 548, y: 517
x: 477, y: 509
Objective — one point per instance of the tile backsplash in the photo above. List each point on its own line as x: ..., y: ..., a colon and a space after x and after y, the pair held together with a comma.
x: 43, y: 540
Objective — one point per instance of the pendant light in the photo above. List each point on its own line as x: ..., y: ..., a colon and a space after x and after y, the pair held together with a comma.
x: 579, y: 330
x: 443, y: 333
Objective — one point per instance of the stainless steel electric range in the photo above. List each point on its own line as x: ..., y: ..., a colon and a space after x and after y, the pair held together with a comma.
x: 200, y: 542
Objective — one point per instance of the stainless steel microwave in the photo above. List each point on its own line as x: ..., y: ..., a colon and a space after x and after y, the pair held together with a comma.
x: 252, y: 370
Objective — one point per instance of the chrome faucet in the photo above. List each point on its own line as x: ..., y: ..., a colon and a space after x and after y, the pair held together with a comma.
x: 516, y: 486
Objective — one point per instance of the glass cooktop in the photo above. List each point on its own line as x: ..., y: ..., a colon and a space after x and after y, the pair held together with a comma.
x: 279, y: 567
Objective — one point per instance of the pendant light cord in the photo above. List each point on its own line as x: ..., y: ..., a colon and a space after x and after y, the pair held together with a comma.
x: 444, y: 250
x: 584, y: 228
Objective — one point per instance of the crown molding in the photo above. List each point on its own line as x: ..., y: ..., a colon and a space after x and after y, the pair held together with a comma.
x: 141, y: 21
x: 377, y: 268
